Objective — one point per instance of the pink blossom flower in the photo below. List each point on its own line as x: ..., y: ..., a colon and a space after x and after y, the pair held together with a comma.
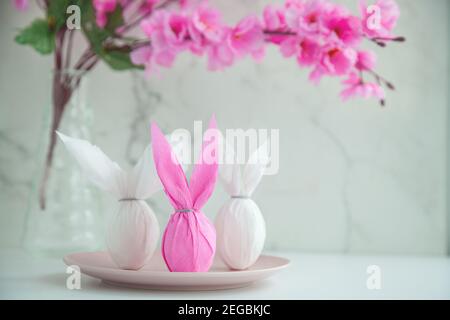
x: 275, y: 21
x: 274, y: 18
x: 306, y: 50
x: 207, y: 23
x: 168, y: 34
x: 309, y: 52
x: 105, y: 5
x: 142, y: 55
x: 247, y: 36
x: 289, y: 47
x: 166, y: 30
x: 355, y: 86
x: 165, y: 57
x: 148, y: 26
x: 219, y: 56
x: 334, y: 61
x: 365, y: 60
x: 102, y: 8
x: 338, y: 61
x: 346, y: 29
x: 21, y: 5
x: 379, y: 19
x: 198, y: 43
x: 307, y: 17
x: 176, y: 29
x: 145, y: 56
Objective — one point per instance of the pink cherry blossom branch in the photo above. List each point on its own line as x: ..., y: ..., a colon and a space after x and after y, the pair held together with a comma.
x: 321, y: 35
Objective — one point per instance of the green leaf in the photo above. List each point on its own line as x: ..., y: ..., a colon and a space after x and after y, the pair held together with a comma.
x: 116, y: 59
x: 39, y: 35
x: 57, y: 12
x: 115, y: 19
x: 93, y: 33
x: 119, y: 60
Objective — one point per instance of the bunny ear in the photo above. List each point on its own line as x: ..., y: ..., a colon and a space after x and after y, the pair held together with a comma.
x: 103, y: 172
x: 169, y: 170
x: 254, y: 169
x: 204, y: 175
x: 230, y: 172
x: 143, y: 180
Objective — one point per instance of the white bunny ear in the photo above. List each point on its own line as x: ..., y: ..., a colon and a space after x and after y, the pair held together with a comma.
x: 143, y: 180
x: 230, y: 172
x: 255, y: 168
x: 103, y: 172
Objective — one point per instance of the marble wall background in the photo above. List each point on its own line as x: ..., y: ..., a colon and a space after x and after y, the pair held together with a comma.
x: 353, y: 177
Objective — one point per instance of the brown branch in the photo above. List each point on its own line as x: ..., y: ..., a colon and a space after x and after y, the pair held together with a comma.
x: 395, y: 39
x: 137, y: 21
x: 381, y: 41
x: 279, y: 33
x: 61, y: 94
x: 379, y: 79
x: 87, y: 54
x: 89, y: 65
x: 59, y: 42
x: 69, y: 50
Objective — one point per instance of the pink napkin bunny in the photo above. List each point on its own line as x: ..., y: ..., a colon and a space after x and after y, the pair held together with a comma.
x: 189, y: 241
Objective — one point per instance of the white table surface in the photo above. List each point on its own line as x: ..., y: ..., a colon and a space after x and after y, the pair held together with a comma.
x: 310, y: 276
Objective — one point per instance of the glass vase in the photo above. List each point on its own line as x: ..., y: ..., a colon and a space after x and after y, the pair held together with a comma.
x: 63, y: 213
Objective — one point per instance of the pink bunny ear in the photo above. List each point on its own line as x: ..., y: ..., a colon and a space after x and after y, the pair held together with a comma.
x: 204, y: 175
x: 169, y: 170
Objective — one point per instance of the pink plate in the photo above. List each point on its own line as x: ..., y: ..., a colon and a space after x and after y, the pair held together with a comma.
x: 154, y: 275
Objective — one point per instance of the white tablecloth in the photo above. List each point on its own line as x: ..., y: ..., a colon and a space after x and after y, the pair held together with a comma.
x: 310, y: 276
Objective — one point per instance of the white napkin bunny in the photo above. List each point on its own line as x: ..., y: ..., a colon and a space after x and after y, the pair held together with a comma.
x: 133, y: 232
x: 240, y: 226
